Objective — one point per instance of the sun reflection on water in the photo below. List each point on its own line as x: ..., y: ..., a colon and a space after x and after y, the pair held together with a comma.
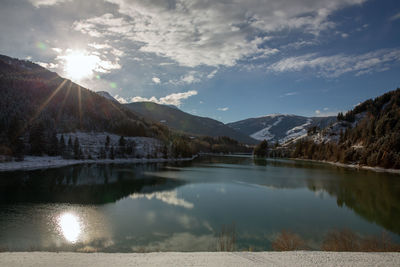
x: 70, y: 226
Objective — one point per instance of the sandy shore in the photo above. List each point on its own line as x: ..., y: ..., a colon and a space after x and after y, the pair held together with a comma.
x: 32, y: 163
x: 352, y: 166
x: 300, y: 258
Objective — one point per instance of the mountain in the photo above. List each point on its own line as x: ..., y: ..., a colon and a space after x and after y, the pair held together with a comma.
x: 185, y: 122
x: 279, y: 127
x: 35, y: 100
x: 368, y: 135
x: 106, y: 95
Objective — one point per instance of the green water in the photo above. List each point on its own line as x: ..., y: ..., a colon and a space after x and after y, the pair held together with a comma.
x: 183, y: 207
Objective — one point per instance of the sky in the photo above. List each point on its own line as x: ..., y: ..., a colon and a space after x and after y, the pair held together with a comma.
x: 228, y: 60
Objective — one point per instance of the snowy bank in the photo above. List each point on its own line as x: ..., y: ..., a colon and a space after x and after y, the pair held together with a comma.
x: 298, y: 258
x: 33, y: 163
x: 352, y: 166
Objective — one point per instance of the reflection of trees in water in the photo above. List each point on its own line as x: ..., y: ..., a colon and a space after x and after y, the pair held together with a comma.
x: 82, y: 184
x: 374, y: 196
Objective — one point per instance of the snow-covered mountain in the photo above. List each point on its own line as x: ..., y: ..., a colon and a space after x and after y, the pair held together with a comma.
x: 280, y: 127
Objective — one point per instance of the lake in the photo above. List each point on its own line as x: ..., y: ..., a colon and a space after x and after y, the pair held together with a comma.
x: 185, y: 206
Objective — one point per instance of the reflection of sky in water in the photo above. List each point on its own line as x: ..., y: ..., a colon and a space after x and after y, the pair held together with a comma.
x: 185, y: 211
x: 168, y: 197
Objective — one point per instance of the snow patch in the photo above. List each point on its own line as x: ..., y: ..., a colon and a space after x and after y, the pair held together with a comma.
x: 264, y: 133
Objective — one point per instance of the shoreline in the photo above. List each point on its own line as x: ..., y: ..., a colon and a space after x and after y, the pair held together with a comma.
x: 351, y: 166
x: 35, y: 163
x: 292, y: 258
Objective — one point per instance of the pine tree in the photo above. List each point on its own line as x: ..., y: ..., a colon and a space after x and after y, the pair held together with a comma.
x: 107, y: 142
x: 261, y: 150
x: 54, y: 145
x: 77, y: 150
x: 61, y: 145
x: 112, y: 156
x: 37, y: 139
x: 121, y: 148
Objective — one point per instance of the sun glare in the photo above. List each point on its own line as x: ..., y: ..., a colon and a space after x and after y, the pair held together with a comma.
x: 79, y: 64
x: 70, y: 226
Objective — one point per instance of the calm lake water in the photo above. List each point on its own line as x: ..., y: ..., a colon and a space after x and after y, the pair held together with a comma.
x: 183, y: 207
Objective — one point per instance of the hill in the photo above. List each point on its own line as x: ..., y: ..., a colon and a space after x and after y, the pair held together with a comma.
x: 185, y: 122
x: 279, y: 127
x: 367, y: 135
x: 35, y: 101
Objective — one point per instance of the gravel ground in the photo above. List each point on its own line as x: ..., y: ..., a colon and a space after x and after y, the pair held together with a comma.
x: 300, y: 258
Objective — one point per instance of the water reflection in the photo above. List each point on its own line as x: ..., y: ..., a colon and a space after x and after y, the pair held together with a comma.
x: 124, y: 208
x: 168, y: 197
x: 70, y: 226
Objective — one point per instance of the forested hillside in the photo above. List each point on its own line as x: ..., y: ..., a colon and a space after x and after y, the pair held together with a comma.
x: 187, y: 123
x: 373, y: 140
x: 36, y: 103
x: 37, y: 106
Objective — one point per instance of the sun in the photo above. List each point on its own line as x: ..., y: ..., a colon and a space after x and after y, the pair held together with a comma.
x: 79, y: 65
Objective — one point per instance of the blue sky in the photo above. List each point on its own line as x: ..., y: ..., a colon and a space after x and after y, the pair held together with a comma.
x: 227, y: 60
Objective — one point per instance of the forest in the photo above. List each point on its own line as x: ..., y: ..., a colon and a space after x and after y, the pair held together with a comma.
x: 373, y: 141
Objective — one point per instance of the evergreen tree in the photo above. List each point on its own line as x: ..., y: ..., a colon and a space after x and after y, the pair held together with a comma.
x: 54, y: 146
x: 103, y: 154
x: 261, y: 150
x: 121, y: 146
x: 112, y: 155
x: 77, y: 149
x: 61, y: 145
x: 37, y: 139
x: 107, y: 142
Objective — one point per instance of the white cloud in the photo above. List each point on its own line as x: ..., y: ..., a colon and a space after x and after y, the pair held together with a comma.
x: 395, y: 17
x: 289, y: 94
x: 212, y: 74
x: 48, y: 65
x: 188, y: 78
x: 172, y: 99
x: 156, y: 80
x: 318, y: 112
x: 38, y: 3
x: 223, y: 109
x: 94, y: 62
x: 120, y: 99
x: 336, y: 65
x: 212, y: 33
x: 345, y: 35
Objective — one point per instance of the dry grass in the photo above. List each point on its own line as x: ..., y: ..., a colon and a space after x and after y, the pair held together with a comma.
x: 287, y: 241
x: 227, y: 238
x: 347, y: 240
x: 341, y: 240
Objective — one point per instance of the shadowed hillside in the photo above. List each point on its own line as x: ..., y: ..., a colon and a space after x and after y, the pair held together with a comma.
x: 187, y: 123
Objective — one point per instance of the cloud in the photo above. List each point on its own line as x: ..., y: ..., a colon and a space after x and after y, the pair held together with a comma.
x: 337, y: 65
x: 289, y: 94
x: 325, y: 112
x: 395, y: 17
x: 48, y: 65
x: 156, y: 80
x: 212, y: 74
x: 120, y: 99
x: 172, y: 99
x: 223, y: 109
x: 39, y: 3
x: 212, y: 33
x: 188, y: 78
